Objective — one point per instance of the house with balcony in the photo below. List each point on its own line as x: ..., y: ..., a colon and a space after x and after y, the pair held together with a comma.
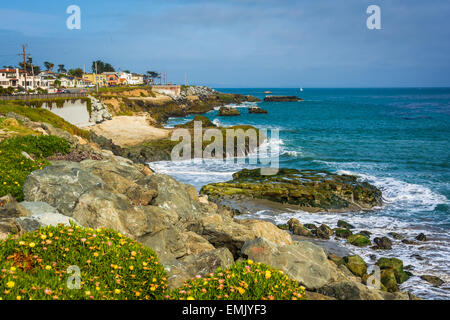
x: 15, y: 78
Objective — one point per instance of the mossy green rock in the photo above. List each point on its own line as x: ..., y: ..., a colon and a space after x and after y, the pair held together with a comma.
x: 319, y: 190
x: 206, y: 123
x: 310, y: 226
x: 283, y: 226
x: 388, y: 263
x: 324, y: 232
x: 396, y: 265
x: 358, y: 240
x: 344, y: 224
x: 342, y: 233
x: 356, y: 265
x: 388, y: 280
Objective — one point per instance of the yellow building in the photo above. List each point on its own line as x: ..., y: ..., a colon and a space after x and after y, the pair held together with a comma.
x: 96, y: 78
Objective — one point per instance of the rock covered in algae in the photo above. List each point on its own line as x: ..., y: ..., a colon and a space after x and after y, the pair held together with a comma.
x: 318, y: 190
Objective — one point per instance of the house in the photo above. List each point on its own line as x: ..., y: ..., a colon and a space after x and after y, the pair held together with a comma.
x: 68, y: 81
x: 95, y: 79
x: 125, y: 78
x: 16, y: 78
x: 82, y: 83
x: 112, y: 78
x: 48, y: 79
x: 137, y: 78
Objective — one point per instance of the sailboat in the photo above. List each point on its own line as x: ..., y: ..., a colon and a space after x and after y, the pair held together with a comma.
x: 301, y: 89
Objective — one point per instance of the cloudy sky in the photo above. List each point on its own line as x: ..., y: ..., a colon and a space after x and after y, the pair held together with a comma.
x: 241, y: 43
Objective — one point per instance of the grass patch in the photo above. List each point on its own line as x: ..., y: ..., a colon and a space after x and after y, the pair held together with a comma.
x: 111, y: 266
x: 15, y: 168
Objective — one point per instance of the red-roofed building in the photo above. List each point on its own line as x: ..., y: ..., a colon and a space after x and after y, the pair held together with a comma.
x: 16, y: 78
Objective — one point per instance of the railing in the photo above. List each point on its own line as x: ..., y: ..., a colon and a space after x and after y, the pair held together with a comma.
x: 42, y: 96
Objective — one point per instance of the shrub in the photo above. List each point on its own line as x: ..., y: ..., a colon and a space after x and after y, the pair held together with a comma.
x: 244, y: 280
x: 15, y: 168
x: 111, y: 266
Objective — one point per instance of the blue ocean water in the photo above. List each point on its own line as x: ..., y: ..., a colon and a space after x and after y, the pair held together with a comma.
x: 397, y: 139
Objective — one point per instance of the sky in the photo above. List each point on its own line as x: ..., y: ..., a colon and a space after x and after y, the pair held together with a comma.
x: 241, y: 43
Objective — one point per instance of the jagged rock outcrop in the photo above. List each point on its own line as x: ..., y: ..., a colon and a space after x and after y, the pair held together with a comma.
x: 99, y: 112
x: 282, y: 99
x: 308, y: 189
x: 228, y: 111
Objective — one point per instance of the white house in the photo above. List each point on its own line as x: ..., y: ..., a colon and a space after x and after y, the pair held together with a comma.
x: 125, y: 78
x: 137, y: 78
x: 16, y: 78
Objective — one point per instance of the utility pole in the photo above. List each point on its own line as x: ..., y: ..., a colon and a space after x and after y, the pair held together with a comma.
x: 185, y: 79
x: 25, y: 55
x: 96, y: 75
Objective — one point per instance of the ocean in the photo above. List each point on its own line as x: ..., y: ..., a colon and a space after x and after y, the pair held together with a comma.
x: 396, y: 139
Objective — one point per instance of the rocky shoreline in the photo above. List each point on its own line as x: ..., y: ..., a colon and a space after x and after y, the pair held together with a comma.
x: 102, y: 185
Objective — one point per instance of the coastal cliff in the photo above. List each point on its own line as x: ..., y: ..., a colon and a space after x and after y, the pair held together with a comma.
x: 83, y: 183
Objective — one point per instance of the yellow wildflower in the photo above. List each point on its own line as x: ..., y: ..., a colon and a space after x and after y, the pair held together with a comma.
x: 190, y: 298
x: 117, y: 291
x: 10, y: 284
x: 241, y: 290
x: 268, y: 274
x: 32, y: 244
x: 48, y: 267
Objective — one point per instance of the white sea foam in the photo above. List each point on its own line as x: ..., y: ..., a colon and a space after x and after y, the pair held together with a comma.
x: 402, y: 194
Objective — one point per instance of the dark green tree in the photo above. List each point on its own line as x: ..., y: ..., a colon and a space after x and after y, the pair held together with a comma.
x: 49, y: 66
x: 61, y: 68
x: 76, y: 72
x: 100, y: 67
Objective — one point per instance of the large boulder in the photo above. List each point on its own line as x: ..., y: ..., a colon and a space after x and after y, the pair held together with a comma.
x: 172, y: 243
x: 298, y: 229
x: 61, y: 185
x: 200, y: 264
x: 124, y: 177
x: 223, y: 231
x: 227, y: 111
x: 268, y: 231
x: 176, y: 196
x: 42, y: 215
x: 350, y: 290
x: 356, y: 265
x: 358, y: 240
x: 303, y: 261
x: 311, y: 190
x: 392, y: 266
x: 383, y: 243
